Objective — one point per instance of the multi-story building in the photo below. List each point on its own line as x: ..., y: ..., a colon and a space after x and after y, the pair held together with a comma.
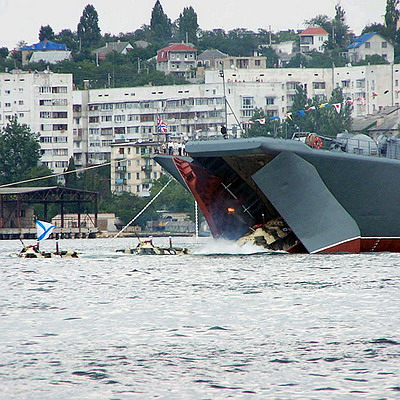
x: 313, y: 39
x: 369, y: 44
x: 132, y: 168
x: 42, y: 100
x: 178, y: 59
x: 106, y: 116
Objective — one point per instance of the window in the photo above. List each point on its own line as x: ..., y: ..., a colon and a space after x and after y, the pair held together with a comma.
x: 257, y: 63
x: 59, y: 89
x: 247, y: 102
x: 367, y: 45
x: 45, y: 114
x: 384, y: 45
x: 45, y: 102
x: 119, y: 118
x: 94, y: 131
x: 60, y: 127
x: 269, y: 101
x: 59, y: 102
x: 21, y: 102
x: 319, y: 85
x: 94, y: 119
x: 106, y: 118
x: 106, y: 131
x: 44, y: 89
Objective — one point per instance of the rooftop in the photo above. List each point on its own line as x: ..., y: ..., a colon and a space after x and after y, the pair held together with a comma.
x: 357, y: 42
x: 45, y: 45
x: 316, y: 30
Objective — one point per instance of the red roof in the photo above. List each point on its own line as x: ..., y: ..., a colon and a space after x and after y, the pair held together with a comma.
x: 314, y: 31
x: 162, y: 54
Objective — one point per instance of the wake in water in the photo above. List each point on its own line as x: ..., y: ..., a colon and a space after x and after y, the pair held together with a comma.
x: 227, y: 247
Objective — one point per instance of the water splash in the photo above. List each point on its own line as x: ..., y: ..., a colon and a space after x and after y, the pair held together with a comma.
x: 224, y: 247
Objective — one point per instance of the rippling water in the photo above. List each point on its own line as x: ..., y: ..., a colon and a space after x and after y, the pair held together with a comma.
x: 211, y: 325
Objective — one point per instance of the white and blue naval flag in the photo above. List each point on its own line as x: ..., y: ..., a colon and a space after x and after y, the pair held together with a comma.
x: 43, y: 229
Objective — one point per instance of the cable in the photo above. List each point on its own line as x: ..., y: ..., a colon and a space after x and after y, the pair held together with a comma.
x: 59, y: 174
x: 143, y: 210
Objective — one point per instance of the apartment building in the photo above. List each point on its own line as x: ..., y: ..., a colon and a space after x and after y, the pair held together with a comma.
x: 132, y: 168
x: 42, y: 100
x: 106, y: 116
x: 369, y: 87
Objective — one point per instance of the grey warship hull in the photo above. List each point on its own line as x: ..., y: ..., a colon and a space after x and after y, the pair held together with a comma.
x: 328, y: 201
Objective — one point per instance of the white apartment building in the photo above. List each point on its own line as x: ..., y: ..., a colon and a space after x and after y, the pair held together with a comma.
x: 42, y: 100
x: 106, y: 116
x: 132, y: 168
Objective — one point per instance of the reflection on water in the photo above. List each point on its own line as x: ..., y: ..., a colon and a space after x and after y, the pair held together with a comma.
x: 220, y: 323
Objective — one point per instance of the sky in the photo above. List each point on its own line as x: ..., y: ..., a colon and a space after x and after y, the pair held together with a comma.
x: 22, y: 19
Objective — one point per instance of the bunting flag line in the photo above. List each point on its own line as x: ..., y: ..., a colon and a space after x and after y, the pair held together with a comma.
x: 337, y: 107
x: 302, y: 113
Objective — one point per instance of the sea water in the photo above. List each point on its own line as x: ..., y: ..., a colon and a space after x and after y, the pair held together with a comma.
x: 223, y: 322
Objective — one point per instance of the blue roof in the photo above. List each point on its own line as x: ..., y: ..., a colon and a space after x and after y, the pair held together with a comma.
x: 357, y: 42
x: 46, y: 45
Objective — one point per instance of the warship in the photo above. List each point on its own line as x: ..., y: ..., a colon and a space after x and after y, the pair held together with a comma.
x: 307, y: 194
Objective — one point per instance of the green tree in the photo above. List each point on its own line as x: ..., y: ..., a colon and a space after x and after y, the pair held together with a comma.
x: 321, y: 20
x: 319, y: 116
x: 69, y: 38
x: 160, y: 24
x: 19, y: 152
x: 263, y: 126
x: 188, y: 26
x: 71, y: 180
x: 391, y: 18
x: 340, y: 30
x: 46, y: 33
x: 88, y: 27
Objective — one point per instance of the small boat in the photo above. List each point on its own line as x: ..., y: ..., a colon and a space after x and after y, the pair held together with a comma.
x: 44, y: 230
x: 146, y: 247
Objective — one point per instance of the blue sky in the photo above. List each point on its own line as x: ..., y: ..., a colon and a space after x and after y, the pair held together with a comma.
x: 21, y: 20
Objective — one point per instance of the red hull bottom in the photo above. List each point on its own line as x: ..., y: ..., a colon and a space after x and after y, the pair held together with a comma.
x: 364, y: 245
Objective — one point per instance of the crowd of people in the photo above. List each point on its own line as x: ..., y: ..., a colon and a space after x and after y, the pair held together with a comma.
x: 173, y: 148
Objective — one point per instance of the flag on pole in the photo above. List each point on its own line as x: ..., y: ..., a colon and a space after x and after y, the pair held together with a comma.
x: 43, y: 229
x: 261, y: 121
x: 312, y: 108
x: 161, y: 125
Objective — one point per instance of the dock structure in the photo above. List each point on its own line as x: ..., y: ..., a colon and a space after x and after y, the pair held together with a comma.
x: 17, y: 215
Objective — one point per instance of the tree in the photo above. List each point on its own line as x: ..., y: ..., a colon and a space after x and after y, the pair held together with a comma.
x: 71, y: 179
x: 69, y: 38
x: 19, y: 152
x: 160, y: 24
x: 263, y: 126
x: 391, y: 18
x: 46, y: 33
x: 88, y: 27
x: 319, y: 116
x: 188, y: 26
x: 321, y: 20
x: 340, y: 31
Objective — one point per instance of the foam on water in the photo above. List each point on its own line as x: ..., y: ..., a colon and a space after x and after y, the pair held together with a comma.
x: 228, y: 247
